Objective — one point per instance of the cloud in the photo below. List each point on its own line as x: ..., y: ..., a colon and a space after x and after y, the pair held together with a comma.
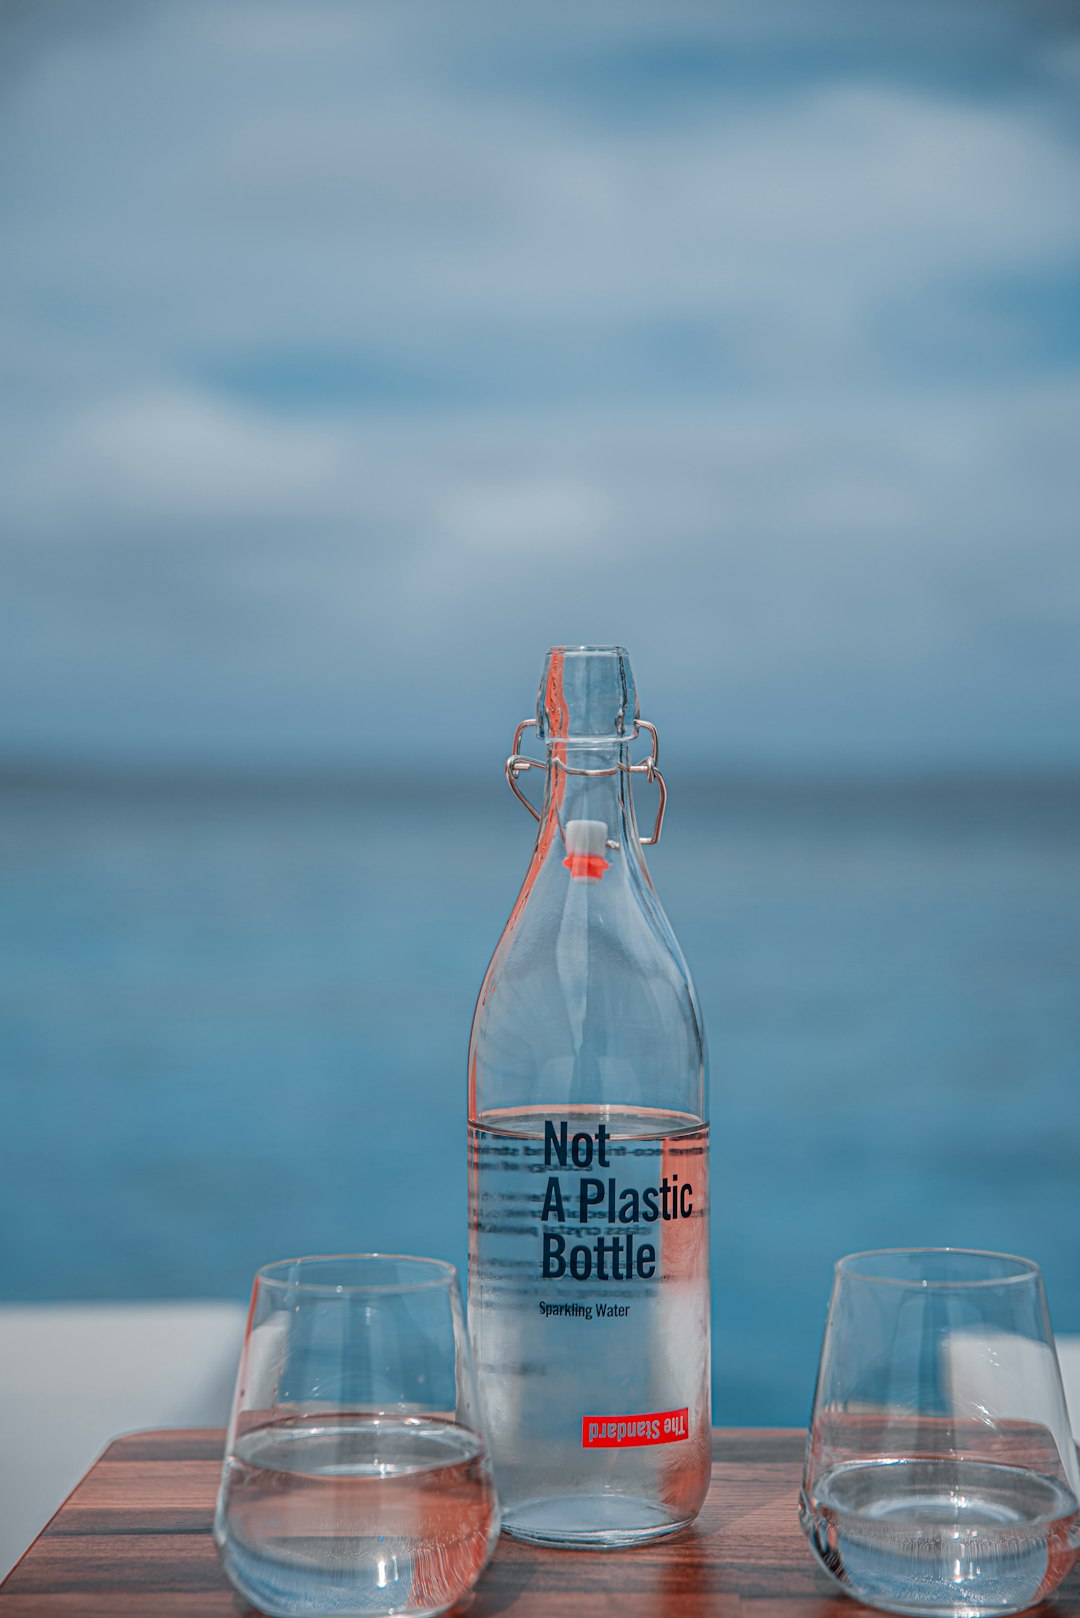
x: 553, y: 515
x: 717, y: 546
x: 383, y: 336
x: 193, y: 457
x: 397, y: 211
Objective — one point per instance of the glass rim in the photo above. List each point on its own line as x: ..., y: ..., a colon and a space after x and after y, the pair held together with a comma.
x: 1025, y: 1269
x: 266, y: 1275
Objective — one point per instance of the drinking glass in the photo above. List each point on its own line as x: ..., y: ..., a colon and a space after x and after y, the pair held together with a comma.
x: 356, y: 1478
x: 941, y: 1475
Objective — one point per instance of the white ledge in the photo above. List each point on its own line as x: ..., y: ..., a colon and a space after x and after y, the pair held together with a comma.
x: 73, y: 1376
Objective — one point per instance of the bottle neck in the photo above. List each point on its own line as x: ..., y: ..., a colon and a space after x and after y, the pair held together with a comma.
x: 589, y: 782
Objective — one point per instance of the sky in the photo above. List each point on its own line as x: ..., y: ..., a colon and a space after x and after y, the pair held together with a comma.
x: 353, y: 354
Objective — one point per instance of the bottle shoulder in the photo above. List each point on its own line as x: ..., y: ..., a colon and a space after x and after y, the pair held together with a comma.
x: 588, y: 998
x: 617, y: 924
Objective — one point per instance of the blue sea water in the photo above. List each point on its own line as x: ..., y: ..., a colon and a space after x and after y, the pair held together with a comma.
x: 233, y: 1027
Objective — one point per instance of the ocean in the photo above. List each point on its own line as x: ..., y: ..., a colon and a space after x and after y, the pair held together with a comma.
x: 234, y: 1016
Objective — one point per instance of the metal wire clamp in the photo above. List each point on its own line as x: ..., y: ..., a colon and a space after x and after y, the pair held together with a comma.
x: 648, y: 767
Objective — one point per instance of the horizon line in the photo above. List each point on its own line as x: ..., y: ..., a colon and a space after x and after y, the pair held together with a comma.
x: 29, y: 772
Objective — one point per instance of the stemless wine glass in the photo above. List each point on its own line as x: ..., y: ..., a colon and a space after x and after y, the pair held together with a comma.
x: 356, y: 1479
x: 941, y: 1475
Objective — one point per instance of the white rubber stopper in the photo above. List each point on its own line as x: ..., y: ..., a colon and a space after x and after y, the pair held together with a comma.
x: 586, y: 836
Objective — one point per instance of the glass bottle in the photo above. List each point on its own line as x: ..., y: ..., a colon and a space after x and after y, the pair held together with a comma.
x: 588, y: 1161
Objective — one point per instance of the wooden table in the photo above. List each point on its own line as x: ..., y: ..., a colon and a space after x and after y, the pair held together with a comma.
x: 133, y: 1541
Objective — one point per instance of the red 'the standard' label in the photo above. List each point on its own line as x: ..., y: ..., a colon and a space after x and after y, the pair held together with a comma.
x: 628, y: 1432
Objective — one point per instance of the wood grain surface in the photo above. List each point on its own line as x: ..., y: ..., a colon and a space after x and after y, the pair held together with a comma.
x: 133, y: 1541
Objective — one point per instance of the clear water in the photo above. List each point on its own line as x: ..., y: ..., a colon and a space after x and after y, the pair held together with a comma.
x: 553, y: 1351
x: 233, y: 1025
x: 356, y: 1516
x: 943, y: 1536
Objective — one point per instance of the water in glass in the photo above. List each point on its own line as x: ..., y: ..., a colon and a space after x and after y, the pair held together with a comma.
x: 358, y: 1515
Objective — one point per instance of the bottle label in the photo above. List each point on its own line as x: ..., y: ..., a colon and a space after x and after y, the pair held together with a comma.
x: 589, y: 1295
x: 631, y: 1432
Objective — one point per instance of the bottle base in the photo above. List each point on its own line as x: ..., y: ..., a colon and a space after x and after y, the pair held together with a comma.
x: 595, y: 1522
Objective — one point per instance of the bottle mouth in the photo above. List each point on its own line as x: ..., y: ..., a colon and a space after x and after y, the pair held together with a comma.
x: 587, y: 693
